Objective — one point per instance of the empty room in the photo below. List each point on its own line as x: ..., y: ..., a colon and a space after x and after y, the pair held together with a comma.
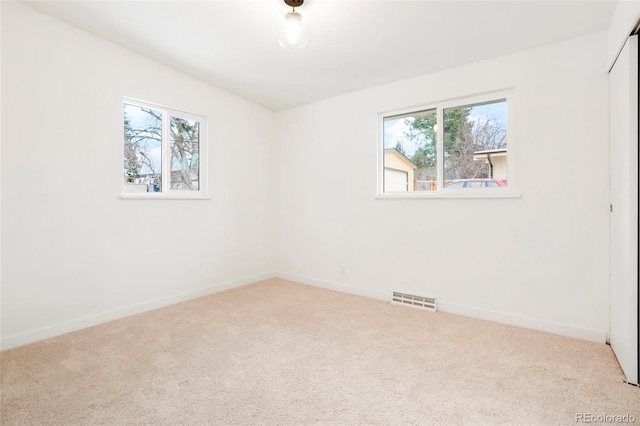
x: 287, y: 212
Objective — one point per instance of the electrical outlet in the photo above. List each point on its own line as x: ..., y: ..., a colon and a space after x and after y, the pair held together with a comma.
x: 343, y: 271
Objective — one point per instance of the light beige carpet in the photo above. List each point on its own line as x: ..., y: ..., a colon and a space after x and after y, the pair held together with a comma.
x: 281, y: 353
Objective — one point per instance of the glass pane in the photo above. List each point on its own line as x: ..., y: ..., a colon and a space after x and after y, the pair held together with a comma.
x: 410, y: 152
x: 142, y: 149
x: 185, y: 154
x: 475, y: 145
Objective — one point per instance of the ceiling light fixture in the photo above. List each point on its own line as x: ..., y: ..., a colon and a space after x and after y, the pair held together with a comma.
x: 293, y: 33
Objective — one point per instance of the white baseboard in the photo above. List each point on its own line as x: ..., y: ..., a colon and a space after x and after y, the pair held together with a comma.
x: 343, y: 288
x: 501, y: 317
x: 525, y: 322
x: 92, y: 320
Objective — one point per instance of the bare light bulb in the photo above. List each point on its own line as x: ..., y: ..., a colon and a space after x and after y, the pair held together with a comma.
x: 293, y: 34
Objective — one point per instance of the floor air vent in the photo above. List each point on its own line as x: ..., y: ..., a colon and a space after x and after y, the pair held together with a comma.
x: 428, y: 303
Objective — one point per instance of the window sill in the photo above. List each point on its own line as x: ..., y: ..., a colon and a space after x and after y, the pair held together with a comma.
x: 158, y: 196
x: 450, y: 195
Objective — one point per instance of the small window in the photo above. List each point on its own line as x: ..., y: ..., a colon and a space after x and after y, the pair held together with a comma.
x: 163, y: 149
x: 449, y: 146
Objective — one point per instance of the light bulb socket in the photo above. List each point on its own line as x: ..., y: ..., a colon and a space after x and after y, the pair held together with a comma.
x: 294, y: 3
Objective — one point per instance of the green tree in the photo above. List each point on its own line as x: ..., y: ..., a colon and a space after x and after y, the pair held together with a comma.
x: 462, y: 137
x: 423, y: 132
x: 424, y: 160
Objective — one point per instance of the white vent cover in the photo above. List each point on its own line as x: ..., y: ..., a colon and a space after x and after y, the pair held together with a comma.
x: 428, y: 303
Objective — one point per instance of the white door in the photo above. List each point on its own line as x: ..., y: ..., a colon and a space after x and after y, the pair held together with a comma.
x: 623, y: 85
x: 395, y: 180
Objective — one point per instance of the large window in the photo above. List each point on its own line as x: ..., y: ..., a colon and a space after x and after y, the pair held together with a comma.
x: 163, y: 151
x: 446, y: 147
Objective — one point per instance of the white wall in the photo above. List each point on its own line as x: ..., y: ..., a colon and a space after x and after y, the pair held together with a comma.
x: 0, y: 182
x: 73, y: 253
x: 539, y: 261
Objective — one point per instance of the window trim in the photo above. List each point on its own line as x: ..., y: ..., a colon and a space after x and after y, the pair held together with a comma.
x: 203, y: 166
x: 509, y: 191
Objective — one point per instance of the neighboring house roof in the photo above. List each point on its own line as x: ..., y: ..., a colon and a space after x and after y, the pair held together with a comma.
x: 491, y: 151
x: 401, y: 156
x: 481, y: 155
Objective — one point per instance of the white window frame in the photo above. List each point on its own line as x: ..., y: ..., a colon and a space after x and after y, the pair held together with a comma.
x: 166, y: 191
x: 502, y: 192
